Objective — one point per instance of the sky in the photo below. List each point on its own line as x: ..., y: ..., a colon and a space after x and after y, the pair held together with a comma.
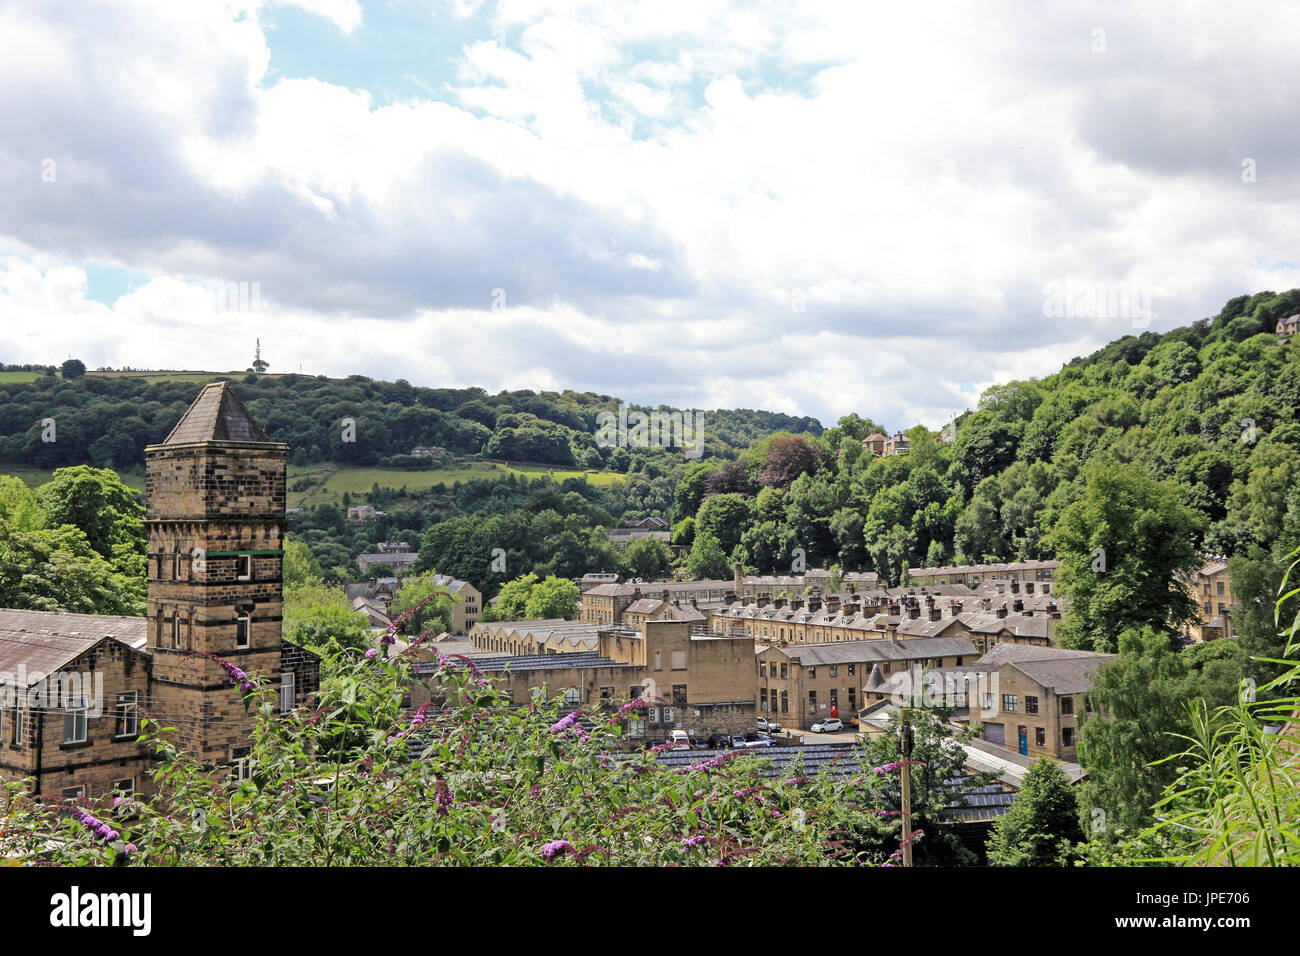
x: 815, y: 208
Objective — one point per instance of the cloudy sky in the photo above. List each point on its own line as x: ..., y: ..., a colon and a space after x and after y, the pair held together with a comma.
x: 814, y: 208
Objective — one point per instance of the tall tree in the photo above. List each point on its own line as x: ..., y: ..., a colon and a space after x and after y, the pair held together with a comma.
x: 1042, y: 826
x: 1126, y: 550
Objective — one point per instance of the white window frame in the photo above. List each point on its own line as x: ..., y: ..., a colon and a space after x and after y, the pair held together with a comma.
x: 127, y: 708
x: 246, y: 621
x: 176, y: 630
x: 286, y: 692
x: 74, y: 793
x: 243, y: 561
x: 128, y: 790
x: 77, y: 714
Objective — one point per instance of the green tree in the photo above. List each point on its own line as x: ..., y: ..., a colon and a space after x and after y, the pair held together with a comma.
x: 1042, y: 826
x: 56, y: 569
x: 300, y: 567
x: 646, y: 558
x: 707, y: 560
x: 512, y: 599
x: 552, y: 598
x: 318, y: 618
x: 433, y: 613
x: 1138, y: 709
x: 95, y: 500
x: 73, y: 368
x: 1126, y: 550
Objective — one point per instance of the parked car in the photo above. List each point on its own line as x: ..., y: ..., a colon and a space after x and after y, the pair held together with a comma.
x: 769, y: 724
x: 759, y: 740
x: 829, y: 725
x: 680, y: 740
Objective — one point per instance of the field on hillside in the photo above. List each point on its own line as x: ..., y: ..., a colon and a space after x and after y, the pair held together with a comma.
x: 7, y: 377
x: 357, y: 482
x: 199, y: 378
x: 39, y: 476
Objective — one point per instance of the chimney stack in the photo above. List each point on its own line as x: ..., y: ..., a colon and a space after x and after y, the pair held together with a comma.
x: 936, y: 613
x: 1015, y: 585
x: 1002, y: 609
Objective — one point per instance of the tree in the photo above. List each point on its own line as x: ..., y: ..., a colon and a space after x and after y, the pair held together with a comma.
x: 707, y: 560
x: 73, y: 368
x: 434, y: 611
x: 95, y: 500
x: 56, y: 569
x: 646, y: 558
x: 1138, y: 708
x: 318, y: 618
x: 552, y: 598
x: 512, y: 600
x: 787, y: 458
x: 725, y: 518
x: 1042, y: 826
x: 299, y: 566
x: 1126, y: 550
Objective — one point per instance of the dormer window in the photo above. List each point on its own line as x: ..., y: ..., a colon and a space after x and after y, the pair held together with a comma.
x: 244, y: 567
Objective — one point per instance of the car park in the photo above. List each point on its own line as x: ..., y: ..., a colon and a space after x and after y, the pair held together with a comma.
x: 828, y: 725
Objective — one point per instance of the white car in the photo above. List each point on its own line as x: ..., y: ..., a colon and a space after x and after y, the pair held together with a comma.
x: 829, y: 725
x: 769, y: 725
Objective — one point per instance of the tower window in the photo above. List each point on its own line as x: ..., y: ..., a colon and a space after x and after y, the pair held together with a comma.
x: 244, y: 567
x: 176, y: 631
x: 176, y: 567
x: 243, y: 627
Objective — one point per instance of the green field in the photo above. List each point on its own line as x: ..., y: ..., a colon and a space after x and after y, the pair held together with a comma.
x: 7, y: 377
x: 357, y: 482
x: 39, y: 476
x: 200, y: 378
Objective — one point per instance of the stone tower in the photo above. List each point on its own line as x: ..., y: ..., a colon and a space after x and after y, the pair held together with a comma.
x: 215, y: 518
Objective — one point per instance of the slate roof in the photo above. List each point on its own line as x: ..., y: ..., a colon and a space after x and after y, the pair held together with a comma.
x: 499, y: 663
x: 217, y: 415
x: 852, y: 652
x: 44, y: 641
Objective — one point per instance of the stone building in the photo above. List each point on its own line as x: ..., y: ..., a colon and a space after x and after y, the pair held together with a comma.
x: 1211, y: 587
x: 692, y: 681
x: 214, y: 519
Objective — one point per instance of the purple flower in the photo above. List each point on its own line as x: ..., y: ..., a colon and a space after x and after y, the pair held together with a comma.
x: 234, y: 674
x: 442, y: 798
x: 556, y: 848
x: 564, y: 723
x: 371, y: 653
x: 99, y: 827
x: 886, y: 768
x: 694, y: 841
x: 130, y: 848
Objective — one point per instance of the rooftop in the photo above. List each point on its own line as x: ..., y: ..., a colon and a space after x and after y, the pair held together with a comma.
x: 217, y: 415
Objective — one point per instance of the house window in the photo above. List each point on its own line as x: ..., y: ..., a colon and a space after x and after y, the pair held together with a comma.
x: 573, y: 697
x: 74, y: 793
x: 835, y: 671
x: 812, y: 672
x: 243, y: 761
x: 762, y: 668
x: 1067, y: 736
x: 835, y: 697
x: 679, y: 695
x: 16, y: 726
x: 1040, y: 737
x: 679, y: 660
x: 659, y: 660
x: 1010, y: 703
x: 1218, y: 588
x: 1031, y: 704
x: 243, y: 627
x: 176, y: 567
x: 783, y: 671
x: 126, y: 787
x: 852, y: 669
x: 1067, y: 705
x: 244, y: 567
x: 127, y: 723
x: 785, y: 702
x: 853, y: 698
x: 286, y: 692
x: 812, y: 701
x: 176, y: 630
x: 74, y: 721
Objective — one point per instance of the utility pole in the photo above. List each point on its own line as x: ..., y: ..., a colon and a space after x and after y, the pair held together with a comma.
x: 905, y: 754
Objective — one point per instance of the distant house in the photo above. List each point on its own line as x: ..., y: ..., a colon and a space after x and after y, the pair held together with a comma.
x: 652, y: 527
x: 874, y: 443
x: 1289, y: 326
x: 896, y: 444
x: 359, y: 513
x: 394, y: 562
x: 429, y: 451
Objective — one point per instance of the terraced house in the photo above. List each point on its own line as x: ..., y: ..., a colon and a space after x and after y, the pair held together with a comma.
x: 77, y: 686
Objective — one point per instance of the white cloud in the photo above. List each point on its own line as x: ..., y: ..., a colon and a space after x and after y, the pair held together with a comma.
x: 699, y: 202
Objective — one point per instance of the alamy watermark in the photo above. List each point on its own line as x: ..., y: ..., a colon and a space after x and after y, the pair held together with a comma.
x: 953, y: 688
x: 67, y: 690
x: 655, y: 429
x: 1077, y: 298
